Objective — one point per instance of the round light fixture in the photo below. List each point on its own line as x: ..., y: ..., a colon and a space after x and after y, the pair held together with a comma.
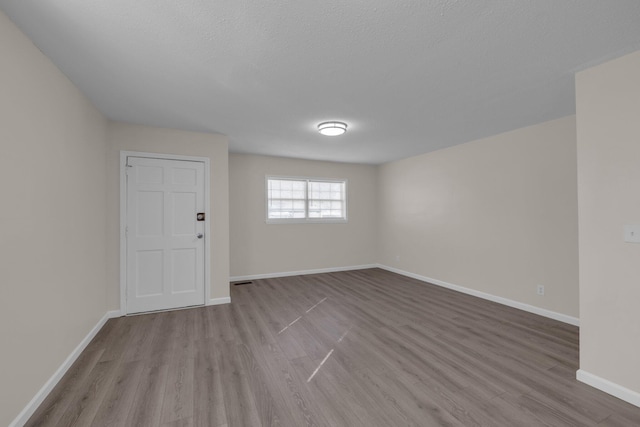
x: 332, y: 128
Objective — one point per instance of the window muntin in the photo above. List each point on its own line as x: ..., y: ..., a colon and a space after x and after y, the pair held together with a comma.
x: 306, y: 200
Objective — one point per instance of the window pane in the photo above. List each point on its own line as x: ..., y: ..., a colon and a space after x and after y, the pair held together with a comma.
x: 286, y: 198
x: 326, y: 199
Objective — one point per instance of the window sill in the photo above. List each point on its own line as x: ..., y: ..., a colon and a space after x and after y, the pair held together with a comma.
x: 307, y: 221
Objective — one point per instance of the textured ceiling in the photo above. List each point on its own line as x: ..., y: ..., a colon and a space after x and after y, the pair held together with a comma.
x: 408, y: 76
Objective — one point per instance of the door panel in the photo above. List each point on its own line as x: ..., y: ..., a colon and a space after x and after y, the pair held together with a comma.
x: 165, y: 257
x: 184, y: 211
x: 149, y: 273
x: 184, y: 265
x: 150, y: 214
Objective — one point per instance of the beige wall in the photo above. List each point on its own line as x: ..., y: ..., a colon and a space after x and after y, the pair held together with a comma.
x: 497, y: 215
x: 168, y: 141
x: 608, y: 126
x: 260, y: 248
x: 52, y: 219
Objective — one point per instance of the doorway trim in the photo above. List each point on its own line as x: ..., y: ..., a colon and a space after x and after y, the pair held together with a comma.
x: 123, y: 219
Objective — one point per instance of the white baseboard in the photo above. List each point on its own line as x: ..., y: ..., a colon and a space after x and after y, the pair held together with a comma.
x: 31, y: 407
x: 511, y: 303
x: 114, y: 313
x: 218, y: 301
x: 609, y: 387
x: 301, y: 273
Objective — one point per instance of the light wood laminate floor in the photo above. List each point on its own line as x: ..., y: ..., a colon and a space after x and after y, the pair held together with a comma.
x: 360, y: 348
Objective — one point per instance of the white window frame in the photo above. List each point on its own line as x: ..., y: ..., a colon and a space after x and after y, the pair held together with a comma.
x: 305, y: 220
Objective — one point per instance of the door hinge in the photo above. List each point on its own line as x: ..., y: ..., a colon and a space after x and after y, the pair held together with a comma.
x: 126, y: 231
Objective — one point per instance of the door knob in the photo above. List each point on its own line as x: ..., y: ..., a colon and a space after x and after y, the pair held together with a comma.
x: 199, y: 235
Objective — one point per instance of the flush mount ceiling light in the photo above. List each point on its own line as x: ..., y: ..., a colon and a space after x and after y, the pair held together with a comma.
x: 332, y: 128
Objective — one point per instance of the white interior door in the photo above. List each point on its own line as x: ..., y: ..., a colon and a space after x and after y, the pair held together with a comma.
x: 165, y: 241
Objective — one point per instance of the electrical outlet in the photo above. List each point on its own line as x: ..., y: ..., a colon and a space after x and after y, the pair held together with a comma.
x: 540, y: 289
x: 397, y: 257
x: 632, y: 233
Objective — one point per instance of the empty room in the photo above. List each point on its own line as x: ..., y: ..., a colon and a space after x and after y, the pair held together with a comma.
x: 421, y: 213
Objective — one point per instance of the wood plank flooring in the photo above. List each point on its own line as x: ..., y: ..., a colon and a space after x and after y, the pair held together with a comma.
x: 359, y: 348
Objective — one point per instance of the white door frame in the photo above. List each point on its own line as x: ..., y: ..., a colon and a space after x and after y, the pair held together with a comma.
x: 123, y: 220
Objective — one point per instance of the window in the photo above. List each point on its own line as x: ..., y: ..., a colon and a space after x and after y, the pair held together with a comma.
x: 306, y: 200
